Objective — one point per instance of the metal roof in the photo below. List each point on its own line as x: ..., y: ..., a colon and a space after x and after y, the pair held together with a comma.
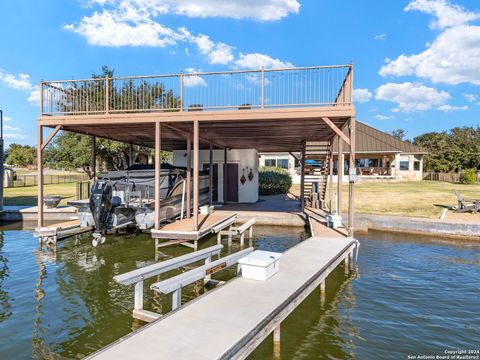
x: 371, y: 140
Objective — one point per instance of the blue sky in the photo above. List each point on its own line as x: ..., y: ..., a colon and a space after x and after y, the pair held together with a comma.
x: 417, y: 63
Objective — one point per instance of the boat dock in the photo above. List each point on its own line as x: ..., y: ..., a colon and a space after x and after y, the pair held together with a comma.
x: 230, y: 321
x: 59, y: 231
x: 180, y: 231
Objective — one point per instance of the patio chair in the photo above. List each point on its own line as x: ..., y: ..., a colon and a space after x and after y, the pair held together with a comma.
x: 465, y: 206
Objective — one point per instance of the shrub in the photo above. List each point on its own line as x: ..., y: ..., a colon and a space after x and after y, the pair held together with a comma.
x: 468, y: 176
x: 273, y: 180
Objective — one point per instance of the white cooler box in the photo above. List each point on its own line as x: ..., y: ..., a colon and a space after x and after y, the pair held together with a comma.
x: 334, y: 221
x: 260, y: 265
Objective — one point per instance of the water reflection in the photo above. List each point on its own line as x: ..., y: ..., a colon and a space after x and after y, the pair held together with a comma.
x: 5, y: 307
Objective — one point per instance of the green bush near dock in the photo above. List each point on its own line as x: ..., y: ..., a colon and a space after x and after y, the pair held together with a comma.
x: 273, y: 180
x: 468, y: 176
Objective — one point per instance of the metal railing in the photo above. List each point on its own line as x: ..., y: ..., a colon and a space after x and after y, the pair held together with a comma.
x: 231, y: 90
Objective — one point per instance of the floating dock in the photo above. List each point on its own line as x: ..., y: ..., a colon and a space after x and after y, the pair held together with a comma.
x: 181, y: 231
x: 231, y: 321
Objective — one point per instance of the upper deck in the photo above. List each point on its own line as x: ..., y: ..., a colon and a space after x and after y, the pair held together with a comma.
x: 126, y: 108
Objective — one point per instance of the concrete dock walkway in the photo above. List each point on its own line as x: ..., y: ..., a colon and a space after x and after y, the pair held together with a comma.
x: 230, y: 321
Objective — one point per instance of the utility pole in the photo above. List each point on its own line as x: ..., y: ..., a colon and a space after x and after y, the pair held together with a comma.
x: 2, y: 170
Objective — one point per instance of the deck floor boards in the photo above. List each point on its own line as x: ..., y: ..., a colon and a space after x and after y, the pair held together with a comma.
x: 218, y: 321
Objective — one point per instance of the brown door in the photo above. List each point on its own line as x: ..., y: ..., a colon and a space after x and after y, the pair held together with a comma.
x: 214, y: 180
x: 232, y: 182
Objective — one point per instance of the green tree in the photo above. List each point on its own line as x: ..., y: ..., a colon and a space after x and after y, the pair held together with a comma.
x: 21, y: 155
x: 400, y: 134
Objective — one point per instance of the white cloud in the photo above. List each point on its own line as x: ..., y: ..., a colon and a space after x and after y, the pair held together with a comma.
x: 411, y: 96
x: 193, y: 80
x: 10, y: 128
x: 453, y: 57
x: 257, y: 60
x: 34, y: 98
x: 7, y: 119
x: 20, y: 81
x: 446, y: 14
x: 449, y: 108
x: 217, y: 53
x: 362, y: 95
x: 380, y: 37
x: 265, y: 10
x: 133, y: 23
x: 471, y: 97
x: 383, y: 117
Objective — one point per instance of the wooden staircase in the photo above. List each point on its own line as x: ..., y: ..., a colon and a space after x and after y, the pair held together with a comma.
x: 315, y: 184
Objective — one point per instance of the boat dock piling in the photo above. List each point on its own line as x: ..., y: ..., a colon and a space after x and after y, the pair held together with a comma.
x: 49, y: 235
x: 238, y: 231
x: 230, y: 321
x: 138, y: 276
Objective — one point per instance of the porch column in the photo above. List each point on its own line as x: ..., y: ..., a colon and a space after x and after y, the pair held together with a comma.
x: 189, y: 175
x: 93, y: 159
x: 196, y: 177
x: 330, y: 173
x: 130, y: 154
x: 210, y: 176
x: 40, y: 177
x: 339, y: 175
x: 351, y: 184
x: 158, y: 164
x: 225, y: 176
x: 302, y: 177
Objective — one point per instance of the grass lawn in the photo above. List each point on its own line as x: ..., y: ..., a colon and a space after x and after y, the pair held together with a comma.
x: 28, y: 195
x: 415, y: 198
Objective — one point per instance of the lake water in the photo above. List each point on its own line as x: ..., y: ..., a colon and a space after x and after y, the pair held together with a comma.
x: 409, y: 295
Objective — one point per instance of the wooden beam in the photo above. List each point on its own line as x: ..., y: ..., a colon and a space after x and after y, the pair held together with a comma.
x: 158, y: 164
x: 351, y: 202
x: 210, y: 176
x: 50, y: 137
x: 93, y: 157
x: 294, y: 156
x: 330, y: 171
x: 189, y: 176
x: 208, y: 116
x: 340, y: 172
x: 196, y: 173
x: 336, y: 129
x: 302, y: 177
x: 225, y: 156
x: 40, y: 177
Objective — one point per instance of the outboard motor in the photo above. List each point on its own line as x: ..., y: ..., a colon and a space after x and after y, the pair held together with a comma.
x: 100, y: 206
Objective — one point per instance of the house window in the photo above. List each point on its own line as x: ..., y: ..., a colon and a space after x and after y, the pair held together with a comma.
x: 282, y: 163
x: 416, y: 163
x: 270, y: 162
x: 404, y: 161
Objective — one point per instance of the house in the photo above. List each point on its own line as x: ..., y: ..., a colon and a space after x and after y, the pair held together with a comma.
x: 241, y: 173
x: 378, y: 156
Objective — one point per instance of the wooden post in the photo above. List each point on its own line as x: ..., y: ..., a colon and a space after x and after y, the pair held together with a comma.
x: 176, y: 299
x: 340, y: 172
x: 322, y: 293
x: 225, y: 155
x: 158, y: 164
x: 94, y: 157
x: 276, y: 341
x: 351, y: 183
x: 210, y: 176
x: 189, y: 175
x: 302, y: 177
x: 138, y: 302
x: 40, y: 177
x: 330, y: 185
x: 196, y: 177
x: 130, y: 154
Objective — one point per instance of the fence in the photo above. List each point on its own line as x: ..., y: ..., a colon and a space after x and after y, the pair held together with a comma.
x: 445, y: 177
x: 83, y: 190
x: 230, y: 90
x: 32, y: 180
